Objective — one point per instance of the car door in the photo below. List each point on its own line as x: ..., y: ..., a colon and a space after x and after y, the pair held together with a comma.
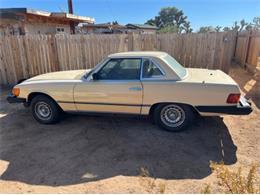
x: 116, y: 88
x: 154, y: 90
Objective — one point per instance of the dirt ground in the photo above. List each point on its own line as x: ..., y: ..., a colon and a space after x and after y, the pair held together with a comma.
x: 90, y: 154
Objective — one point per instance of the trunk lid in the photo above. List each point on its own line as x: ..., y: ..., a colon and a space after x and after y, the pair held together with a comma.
x: 207, y: 76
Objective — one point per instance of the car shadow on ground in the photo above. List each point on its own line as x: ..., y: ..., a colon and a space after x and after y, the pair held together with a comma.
x: 89, y: 148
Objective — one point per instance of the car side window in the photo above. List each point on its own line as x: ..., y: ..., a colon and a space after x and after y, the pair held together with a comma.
x: 150, y: 69
x: 120, y: 69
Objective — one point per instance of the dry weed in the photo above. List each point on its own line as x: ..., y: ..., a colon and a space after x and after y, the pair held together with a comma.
x: 235, y: 182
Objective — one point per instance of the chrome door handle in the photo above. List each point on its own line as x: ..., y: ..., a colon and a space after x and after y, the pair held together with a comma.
x: 135, y: 89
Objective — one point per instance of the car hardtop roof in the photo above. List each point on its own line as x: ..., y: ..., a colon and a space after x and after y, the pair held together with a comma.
x: 138, y: 54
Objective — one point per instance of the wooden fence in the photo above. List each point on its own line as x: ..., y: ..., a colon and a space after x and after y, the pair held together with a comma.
x: 26, y: 56
x: 247, y: 52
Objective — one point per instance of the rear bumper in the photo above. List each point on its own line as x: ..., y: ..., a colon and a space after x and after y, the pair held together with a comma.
x: 243, y: 108
x: 13, y: 99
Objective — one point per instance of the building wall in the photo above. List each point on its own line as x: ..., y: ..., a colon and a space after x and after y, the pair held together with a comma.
x: 45, y: 28
x: 149, y: 31
x: 15, y: 27
x: 9, y: 27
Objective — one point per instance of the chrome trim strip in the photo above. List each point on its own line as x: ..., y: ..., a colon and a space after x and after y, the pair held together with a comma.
x: 101, y: 103
x: 158, y: 80
x: 115, y: 81
x: 102, y: 113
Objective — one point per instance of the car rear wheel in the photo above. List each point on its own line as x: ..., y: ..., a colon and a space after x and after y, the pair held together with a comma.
x: 173, y: 117
x: 45, y: 110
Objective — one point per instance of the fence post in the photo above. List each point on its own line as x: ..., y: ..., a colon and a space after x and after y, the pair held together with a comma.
x: 235, y: 47
x: 54, y: 53
x: 130, y: 41
x: 248, y: 47
x: 27, y: 64
x: 82, y: 42
x: 158, y: 42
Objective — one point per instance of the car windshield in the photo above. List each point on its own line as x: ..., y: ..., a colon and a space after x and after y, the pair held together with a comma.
x: 89, y: 73
x: 92, y: 70
x: 179, y: 69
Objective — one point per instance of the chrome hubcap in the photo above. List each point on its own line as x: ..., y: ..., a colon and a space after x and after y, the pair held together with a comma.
x: 43, y: 110
x: 172, y: 115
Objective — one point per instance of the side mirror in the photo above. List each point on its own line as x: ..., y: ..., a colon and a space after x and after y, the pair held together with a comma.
x: 95, y: 76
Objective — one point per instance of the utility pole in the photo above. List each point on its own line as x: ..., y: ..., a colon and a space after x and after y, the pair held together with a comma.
x: 70, y: 6
x: 72, y: 25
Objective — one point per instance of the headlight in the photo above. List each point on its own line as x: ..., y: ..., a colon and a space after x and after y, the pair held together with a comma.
x: 16, y: 92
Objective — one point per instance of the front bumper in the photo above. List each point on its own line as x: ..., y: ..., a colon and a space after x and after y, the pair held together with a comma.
x: 243, y: 108
x: 13, y: 99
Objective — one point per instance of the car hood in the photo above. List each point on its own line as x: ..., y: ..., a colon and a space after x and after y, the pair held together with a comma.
x: 61, y: 75
x: 209, y: 76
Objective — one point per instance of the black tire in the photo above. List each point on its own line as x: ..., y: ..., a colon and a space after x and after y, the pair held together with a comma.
x: 167, y: 121
x: 45, y: 110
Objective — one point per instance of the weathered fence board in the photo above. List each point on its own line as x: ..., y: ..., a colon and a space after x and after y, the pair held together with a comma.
x: 247, y: 51
x: 26, y: 56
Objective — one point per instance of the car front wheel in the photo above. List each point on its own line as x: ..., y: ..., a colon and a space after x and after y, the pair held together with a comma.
x: 173, y: 117
x: 45, y: 110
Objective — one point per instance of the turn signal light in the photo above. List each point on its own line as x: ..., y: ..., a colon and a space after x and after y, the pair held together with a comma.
x: 233, y: 98
x: 16, y: 91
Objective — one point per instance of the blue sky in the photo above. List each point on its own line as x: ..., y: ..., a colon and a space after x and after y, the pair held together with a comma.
x: 199, y: 12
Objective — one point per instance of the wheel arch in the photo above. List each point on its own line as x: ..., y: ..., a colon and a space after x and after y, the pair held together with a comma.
x: 152, y: 108
x: 34, y: 94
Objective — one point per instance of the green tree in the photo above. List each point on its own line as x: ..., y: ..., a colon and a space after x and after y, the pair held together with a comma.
x: 154, y: 22
x: 115, y: 23
x: 186, y: 27
x: 256, y: 23
x: 239, y: 26
x: 217, y: 28
x: 205, y: 29
x: 249, y: 27
x: 243, y: 24
x: 169, y: 29
x: 170, y: 18
x: 226, y: 28
x: 235, y: 26
x: 151, y: 22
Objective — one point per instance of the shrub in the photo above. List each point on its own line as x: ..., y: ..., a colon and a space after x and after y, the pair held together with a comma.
x: 149, y: 183
x: 206, y: 190
x: 235, y: 182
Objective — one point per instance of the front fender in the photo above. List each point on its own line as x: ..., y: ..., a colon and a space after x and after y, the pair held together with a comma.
x: 58, y: 91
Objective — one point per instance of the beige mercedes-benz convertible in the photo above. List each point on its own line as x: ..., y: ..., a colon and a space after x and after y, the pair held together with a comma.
x: 142, y: 83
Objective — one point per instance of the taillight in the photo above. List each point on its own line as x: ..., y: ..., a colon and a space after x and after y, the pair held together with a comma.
x: 233, y: 98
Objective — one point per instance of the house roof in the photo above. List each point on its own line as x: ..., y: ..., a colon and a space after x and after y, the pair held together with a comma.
x: 142, y: 26
x: 61, y: 15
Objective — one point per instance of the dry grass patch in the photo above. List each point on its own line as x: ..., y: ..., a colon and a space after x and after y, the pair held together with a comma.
x: 150, y: 184
x: 235, y: 182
